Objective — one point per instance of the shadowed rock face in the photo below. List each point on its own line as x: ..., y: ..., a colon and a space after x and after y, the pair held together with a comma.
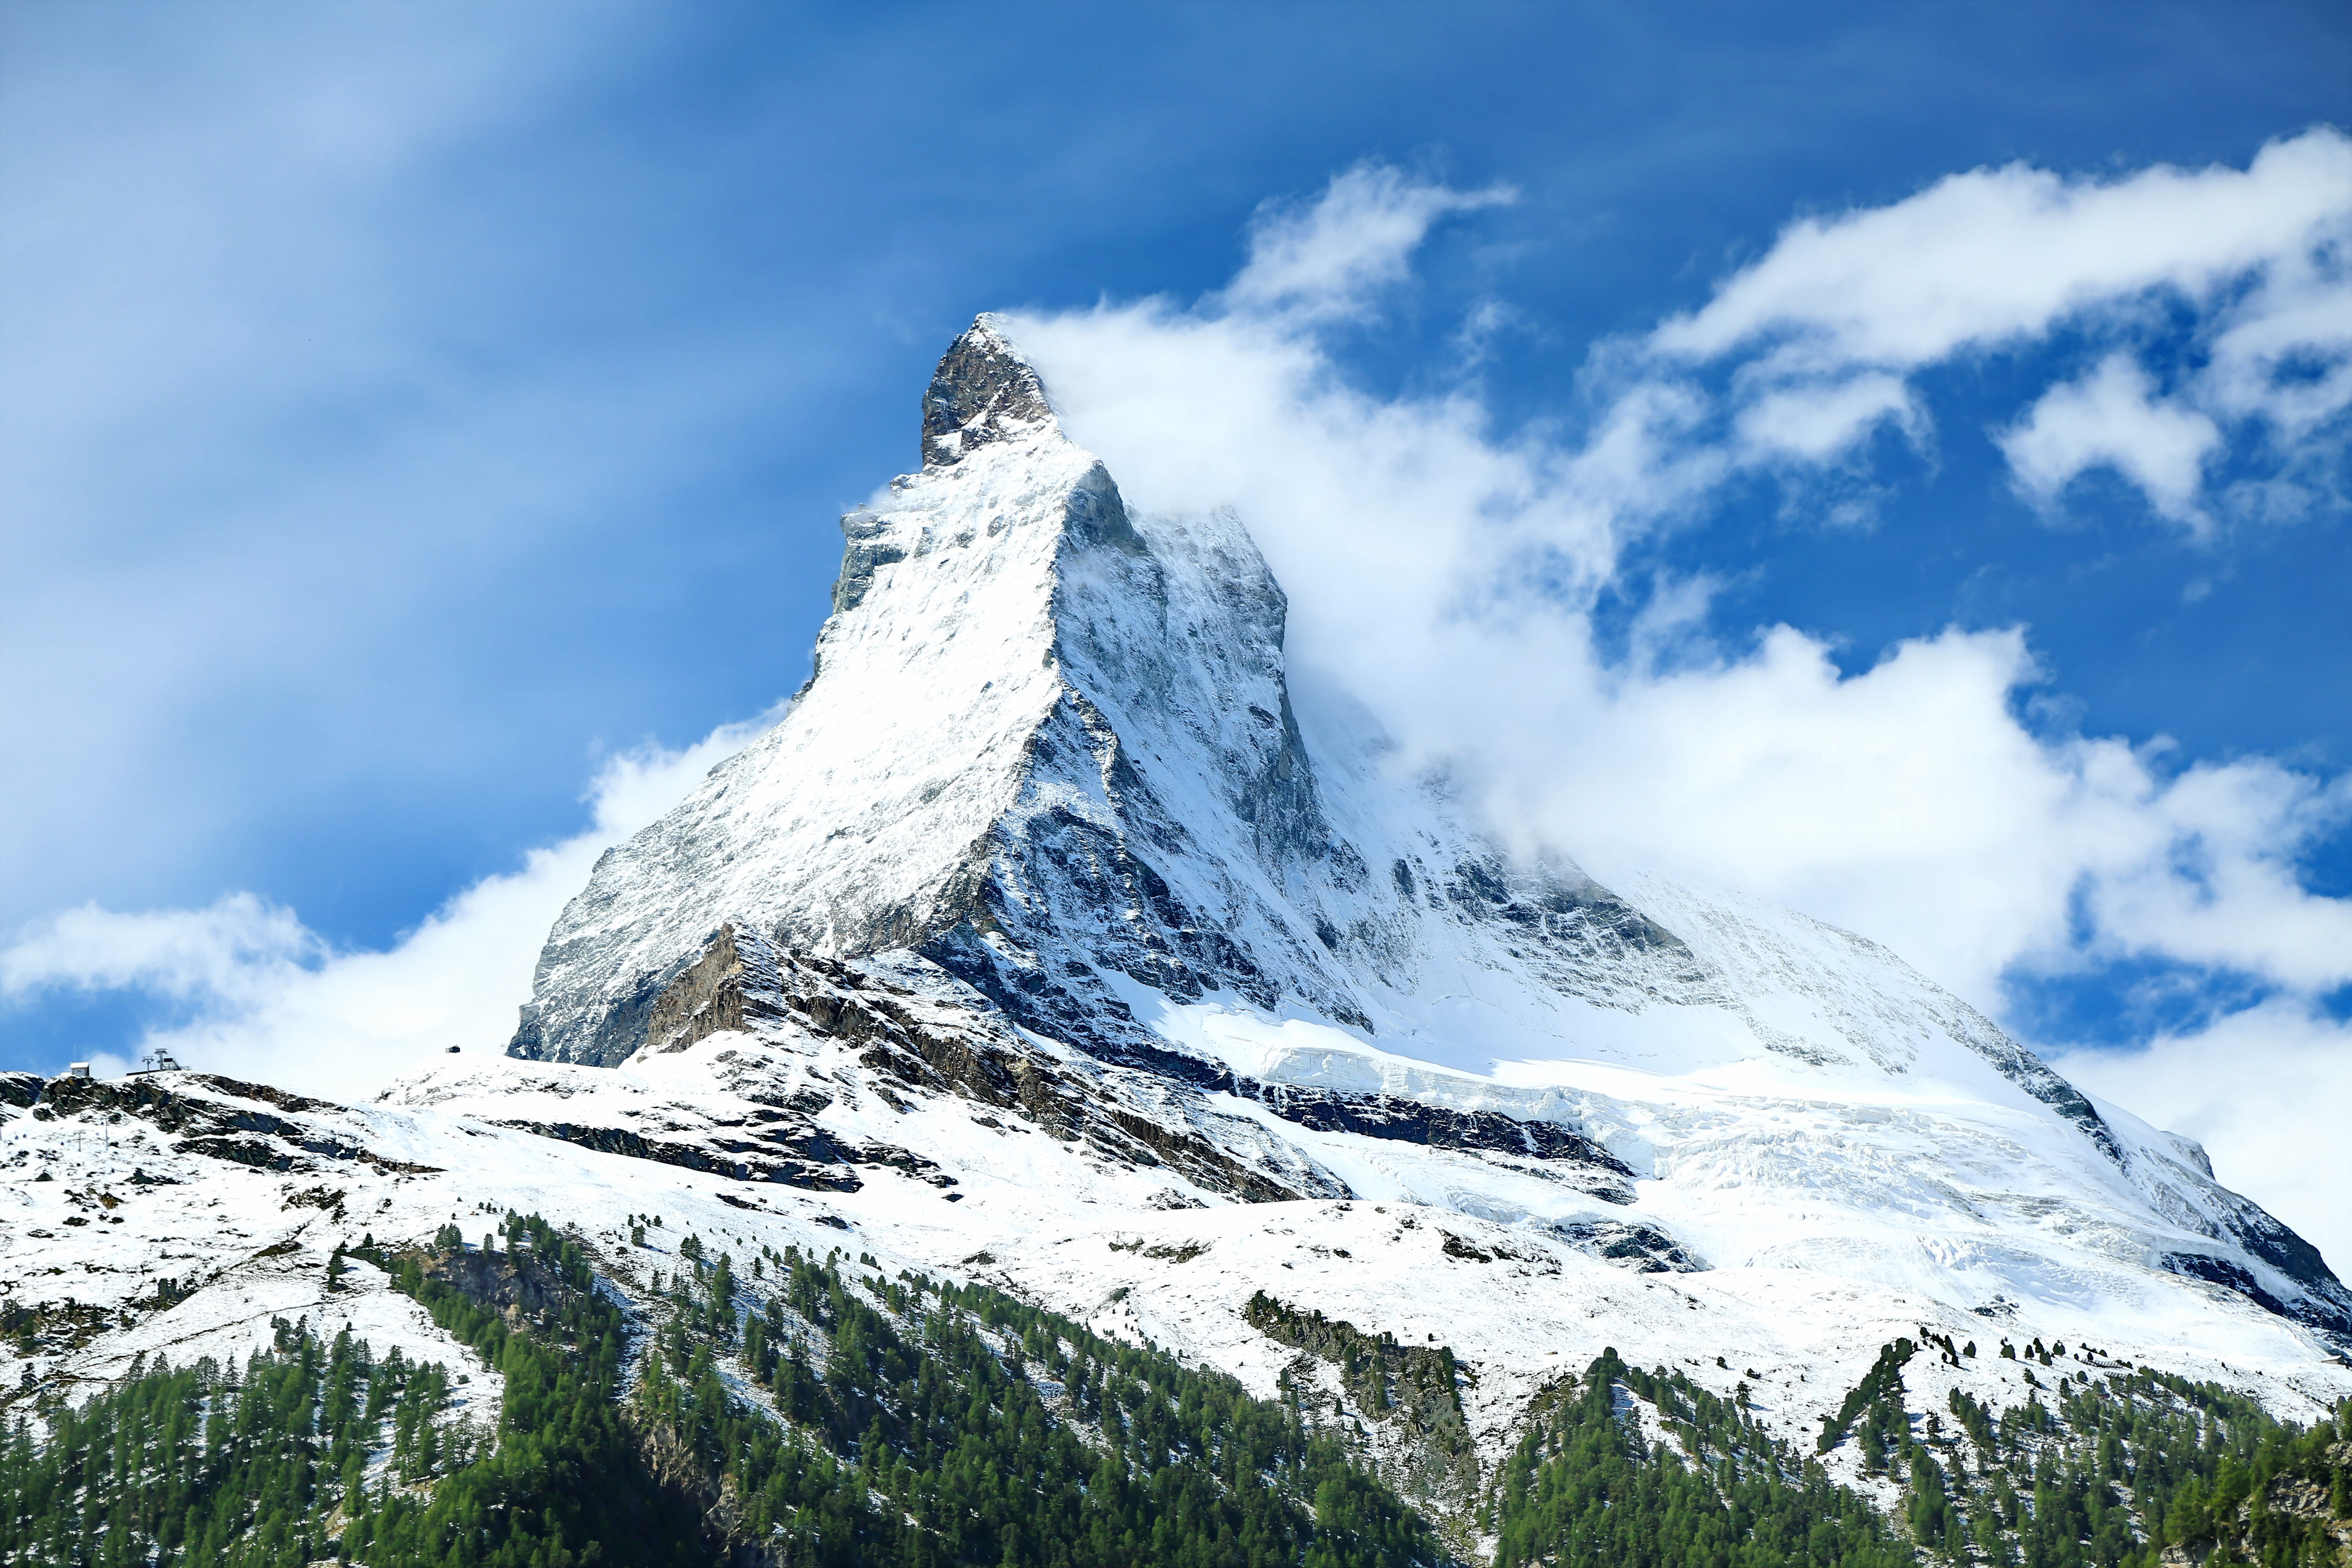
x: 732, y: 985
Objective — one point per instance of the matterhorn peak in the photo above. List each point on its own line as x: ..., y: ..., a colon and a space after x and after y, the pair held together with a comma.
x: 986, y: 390
x: 1005, y: 646
x: 1048, y: 775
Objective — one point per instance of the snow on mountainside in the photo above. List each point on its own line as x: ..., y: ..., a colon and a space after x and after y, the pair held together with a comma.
x: 1046, y: 940
x: 1049, y: 753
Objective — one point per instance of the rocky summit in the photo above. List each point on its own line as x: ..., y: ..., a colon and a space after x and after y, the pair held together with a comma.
x: 1051, y: 960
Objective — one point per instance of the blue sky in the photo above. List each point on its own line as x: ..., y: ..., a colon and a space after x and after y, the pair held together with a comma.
x: 419, y: 426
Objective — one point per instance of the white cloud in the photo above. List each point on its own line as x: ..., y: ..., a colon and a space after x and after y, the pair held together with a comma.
x: 272, y: 1002
x: 2268, y: 1091
x: 1817, y: 421
x: 1445, y: 576
x: 2111, y: 417
x: 230, y: 950
x: 1326, y: 259
x: 2206, y: 875
x: 1828, y: 323
x: 1999, y: 256
x: 2286, y: 353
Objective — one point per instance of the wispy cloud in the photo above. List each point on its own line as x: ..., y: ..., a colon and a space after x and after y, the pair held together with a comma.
x: 1330, y: 258
x: 290, y: 454
x: 237, y: 951
x: 269, y: 999
x: 1842, y: 308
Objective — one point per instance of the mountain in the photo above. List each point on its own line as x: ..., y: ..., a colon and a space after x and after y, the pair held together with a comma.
x: 1049, y: 947
x: 1048, y: 771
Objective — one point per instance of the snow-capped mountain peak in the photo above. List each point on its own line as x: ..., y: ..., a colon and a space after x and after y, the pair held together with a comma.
x: 1049, y: 940
x: 1049, y: 765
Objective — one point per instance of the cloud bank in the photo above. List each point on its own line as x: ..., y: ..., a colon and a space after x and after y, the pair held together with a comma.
x: 1840, y: 308
x: 269, y: 1000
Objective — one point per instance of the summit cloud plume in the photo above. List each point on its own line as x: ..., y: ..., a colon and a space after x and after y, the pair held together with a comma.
x: 1446, y: 573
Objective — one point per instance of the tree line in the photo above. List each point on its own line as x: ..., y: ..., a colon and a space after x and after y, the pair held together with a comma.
x: 812, y: 1411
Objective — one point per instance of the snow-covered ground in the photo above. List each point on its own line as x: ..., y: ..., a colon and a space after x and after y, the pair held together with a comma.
x: 1428, y: 1251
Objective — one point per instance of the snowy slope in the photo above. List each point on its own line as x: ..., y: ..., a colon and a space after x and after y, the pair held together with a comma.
x: 238, y: 1197
x: 1047, y: 940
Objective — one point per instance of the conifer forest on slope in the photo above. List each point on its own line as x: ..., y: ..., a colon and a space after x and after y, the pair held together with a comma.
x: 802, y: 1410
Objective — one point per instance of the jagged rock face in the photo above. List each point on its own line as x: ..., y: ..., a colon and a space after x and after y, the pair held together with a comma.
x: 210, y: 1117
x: 983, y: 392
x: 1048, y: 784
x: 912, y: 1032
x: 734, y: 983
x: 1409, y: 1393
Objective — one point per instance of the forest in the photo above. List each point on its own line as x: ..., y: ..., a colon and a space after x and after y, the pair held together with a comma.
x: 812, y: 1411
